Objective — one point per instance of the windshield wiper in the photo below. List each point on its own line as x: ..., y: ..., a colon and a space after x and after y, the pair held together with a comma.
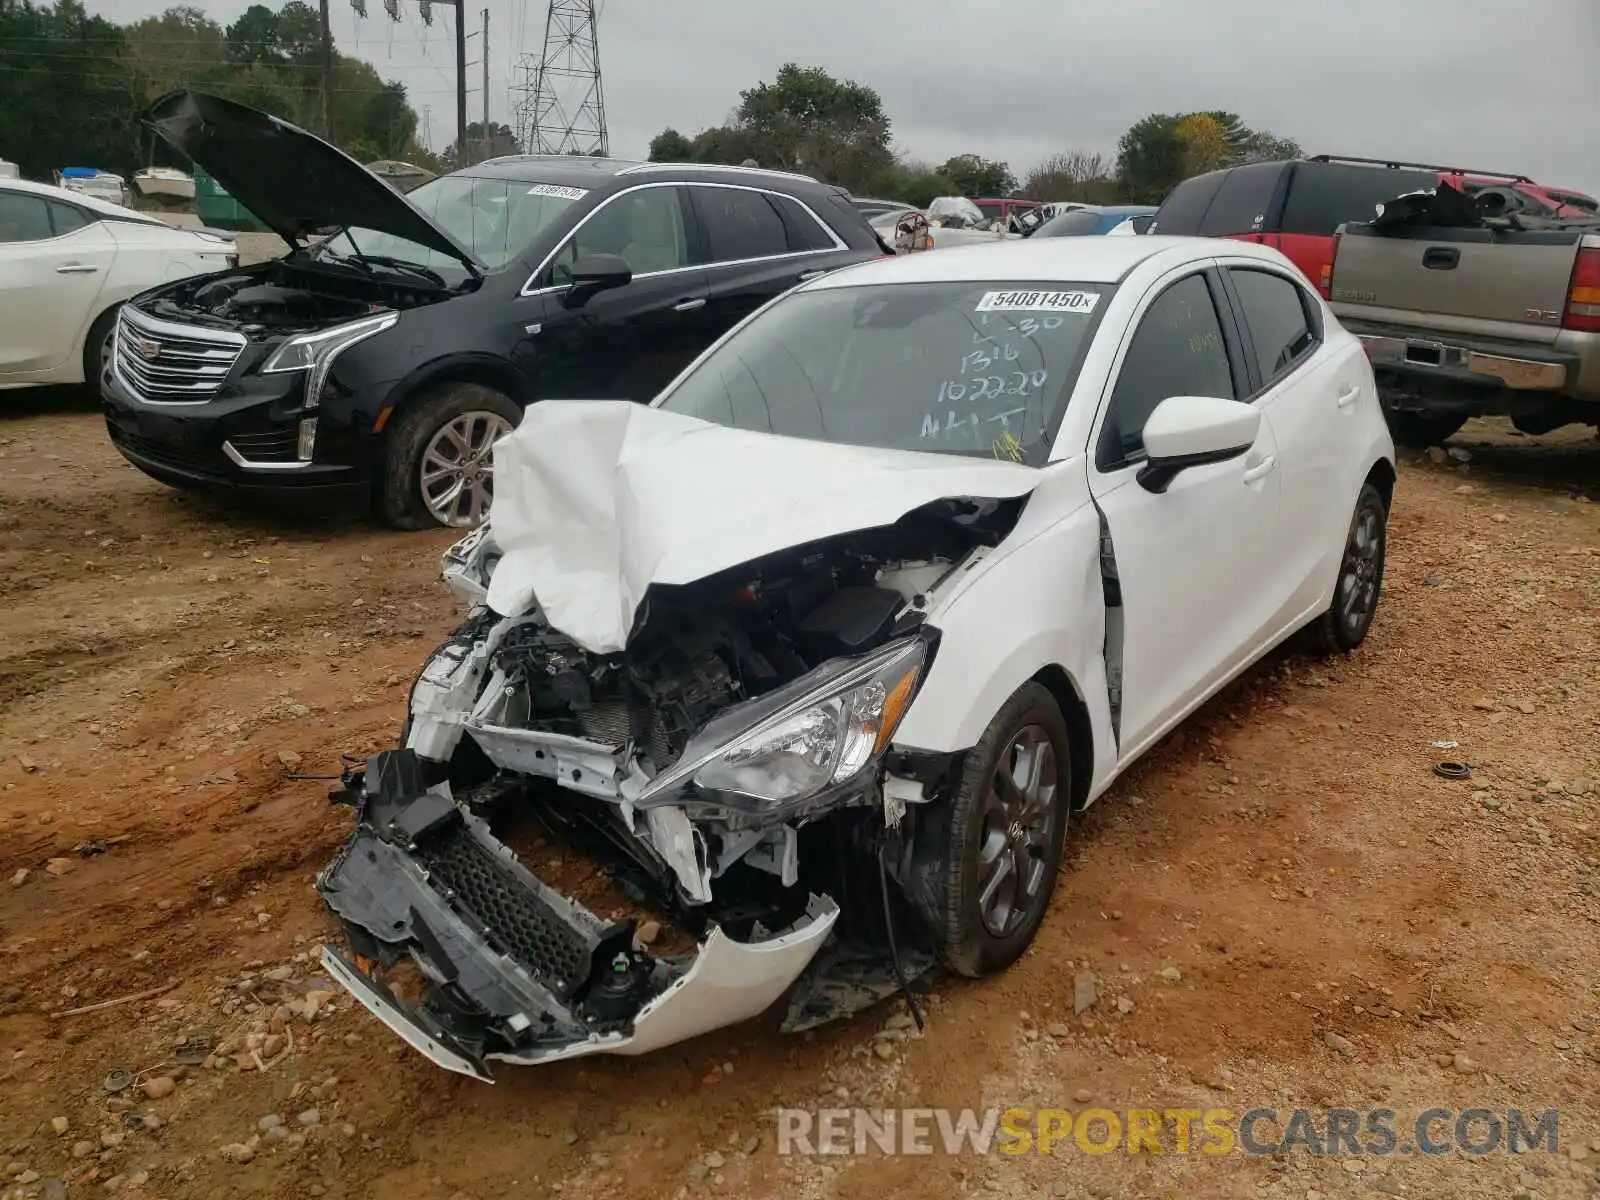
x: 400, y: 264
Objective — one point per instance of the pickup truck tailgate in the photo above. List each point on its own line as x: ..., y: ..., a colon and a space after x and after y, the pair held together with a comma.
x: 1505, y: 285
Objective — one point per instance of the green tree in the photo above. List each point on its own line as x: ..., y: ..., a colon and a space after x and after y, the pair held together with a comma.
x: 912, y: 182
x: 973, y: 175
x: 806, y: 120
x: 1159, y: 151
x: 65, y: 98
x: 670, y: 146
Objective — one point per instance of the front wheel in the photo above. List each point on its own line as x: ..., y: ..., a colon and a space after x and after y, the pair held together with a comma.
x: 1344, y: 625
x: 97, y: 344
x: 1008, y: 825
x: 438, y: 463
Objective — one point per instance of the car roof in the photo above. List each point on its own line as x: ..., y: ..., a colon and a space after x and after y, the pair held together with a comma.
x: 82, y: 199
x: 614, y: 174
x: 1079, y: 260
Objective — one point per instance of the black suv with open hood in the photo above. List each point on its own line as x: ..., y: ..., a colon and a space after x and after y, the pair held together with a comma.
x: 380, y: 359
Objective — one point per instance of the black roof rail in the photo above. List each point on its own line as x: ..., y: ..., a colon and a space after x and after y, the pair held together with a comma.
x: 1385, y: 162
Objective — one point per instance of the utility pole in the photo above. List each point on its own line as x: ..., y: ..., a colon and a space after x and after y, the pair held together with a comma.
x: 484, y: 50
x: 461, y: 76
x: 327, y: 74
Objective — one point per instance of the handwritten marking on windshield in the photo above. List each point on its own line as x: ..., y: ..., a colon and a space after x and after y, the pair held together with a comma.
x: 1007, y: 447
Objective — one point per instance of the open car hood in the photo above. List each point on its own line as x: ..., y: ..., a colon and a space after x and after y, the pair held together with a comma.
x: 596, y: 500
x: 296, y: 183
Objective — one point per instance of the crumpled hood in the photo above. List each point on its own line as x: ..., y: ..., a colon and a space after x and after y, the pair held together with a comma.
x: 596, y: 500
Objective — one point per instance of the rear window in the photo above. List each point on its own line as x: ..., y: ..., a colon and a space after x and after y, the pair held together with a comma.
x: 1323, y: 196
x: 1186, y: 204
x: 1071, y: 224
x: 1243, y: 201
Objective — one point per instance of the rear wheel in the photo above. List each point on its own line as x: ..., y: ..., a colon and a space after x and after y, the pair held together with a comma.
x: 438, y: 466
x: 97, y: 345
x: 1007, y: 829
x: 1355, y: 597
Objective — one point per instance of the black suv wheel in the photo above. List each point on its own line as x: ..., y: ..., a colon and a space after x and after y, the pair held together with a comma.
x: 438, y: 462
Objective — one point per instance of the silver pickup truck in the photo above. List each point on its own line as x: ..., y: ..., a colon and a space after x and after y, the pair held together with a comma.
x: 1478, y: 319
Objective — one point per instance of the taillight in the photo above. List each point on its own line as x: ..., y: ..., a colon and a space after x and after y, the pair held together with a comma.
x: 1583, y: 297
x: 1325, y: 276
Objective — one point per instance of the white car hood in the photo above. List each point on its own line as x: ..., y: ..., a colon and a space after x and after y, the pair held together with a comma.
x: 596, y: 500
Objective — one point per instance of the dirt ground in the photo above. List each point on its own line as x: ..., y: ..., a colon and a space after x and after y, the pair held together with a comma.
x: 1283, y: 906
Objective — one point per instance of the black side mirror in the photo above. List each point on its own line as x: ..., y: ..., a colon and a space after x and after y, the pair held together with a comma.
x: 590, y: 275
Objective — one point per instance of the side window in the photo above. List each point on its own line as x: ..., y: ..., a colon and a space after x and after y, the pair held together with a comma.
x: 1323, y: 196
x: 67, y: 217
x: 801, y: 227
x: 739, y: 224
x: 23, y: 218
x: 645, y: 228
x: 1275, y: 311
x: 1176, y: 351
x: 1242, y: 202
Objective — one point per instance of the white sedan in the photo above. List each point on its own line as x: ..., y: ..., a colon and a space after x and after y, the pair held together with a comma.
x: 821, y: 653
x: 67, y: 262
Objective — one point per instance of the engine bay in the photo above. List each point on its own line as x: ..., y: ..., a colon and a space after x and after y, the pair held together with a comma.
x: 284, y: 297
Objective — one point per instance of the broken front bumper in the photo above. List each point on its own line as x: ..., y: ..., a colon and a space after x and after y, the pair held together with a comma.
x: 512, y: 970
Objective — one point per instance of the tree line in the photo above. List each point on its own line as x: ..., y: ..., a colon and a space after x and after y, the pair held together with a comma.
x: 75, y: 84
x: 806, y: 120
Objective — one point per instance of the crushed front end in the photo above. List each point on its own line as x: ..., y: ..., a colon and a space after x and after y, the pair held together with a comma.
x: 725, y: 787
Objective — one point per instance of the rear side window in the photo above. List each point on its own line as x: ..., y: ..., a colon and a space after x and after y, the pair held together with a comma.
x: 1275, y: 311
x: 800, y: 227
x: 1323, y: 196
x: 739, y: 224
x: 67, y: 217
x: 1243, y: 201
x: 23, y: 218
x: 1181, y: 211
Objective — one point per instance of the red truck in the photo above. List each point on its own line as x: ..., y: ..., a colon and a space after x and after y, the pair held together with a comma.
x: 1295, y: 205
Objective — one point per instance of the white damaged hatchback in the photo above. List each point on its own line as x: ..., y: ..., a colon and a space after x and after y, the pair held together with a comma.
x: 812, y: 661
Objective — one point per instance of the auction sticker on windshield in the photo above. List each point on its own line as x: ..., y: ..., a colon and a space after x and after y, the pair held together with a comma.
x: 1070, y: 302
x: 558, y: 190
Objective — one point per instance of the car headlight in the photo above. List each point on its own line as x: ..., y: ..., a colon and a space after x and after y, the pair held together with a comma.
x: 825, y: 736
x: 315, y: 352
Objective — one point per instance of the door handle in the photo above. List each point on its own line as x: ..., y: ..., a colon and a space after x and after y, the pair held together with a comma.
x: 76, y: 269
x: 1348, y: 396
x: 1441, y: 258
x: 807, y: 276
x: 689, y: 305
x: 1261, y: 470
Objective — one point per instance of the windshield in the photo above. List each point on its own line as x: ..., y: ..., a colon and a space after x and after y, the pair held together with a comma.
x: 971, y: 368
x: 496, y: 219
x: 1077, y: 223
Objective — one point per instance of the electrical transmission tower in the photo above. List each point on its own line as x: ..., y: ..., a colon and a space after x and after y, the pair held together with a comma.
x: 563, y: 109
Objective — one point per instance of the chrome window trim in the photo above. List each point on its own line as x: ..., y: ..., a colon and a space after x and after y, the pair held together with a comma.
x: 838, y: 243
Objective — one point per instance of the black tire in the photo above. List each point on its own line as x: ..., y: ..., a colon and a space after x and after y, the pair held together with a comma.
x: 400, y: 493
x: 1355, y: 596
x: 96, y: 345
x: 968, y: 943
x: 1422, y: 430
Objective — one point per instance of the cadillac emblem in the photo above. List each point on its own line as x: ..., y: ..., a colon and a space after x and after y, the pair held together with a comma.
x: 147, y: 349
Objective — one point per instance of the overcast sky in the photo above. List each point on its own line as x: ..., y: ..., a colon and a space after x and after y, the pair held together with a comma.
x: 1504, y: 86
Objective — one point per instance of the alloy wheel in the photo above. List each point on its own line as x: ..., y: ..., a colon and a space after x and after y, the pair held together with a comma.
x: 457, y: 472
x: 1362, y: 567
x: 1019, y: 819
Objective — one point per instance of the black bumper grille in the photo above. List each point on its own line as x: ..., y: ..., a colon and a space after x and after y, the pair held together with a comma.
x: 161, y: 454
x: 511, y: 913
